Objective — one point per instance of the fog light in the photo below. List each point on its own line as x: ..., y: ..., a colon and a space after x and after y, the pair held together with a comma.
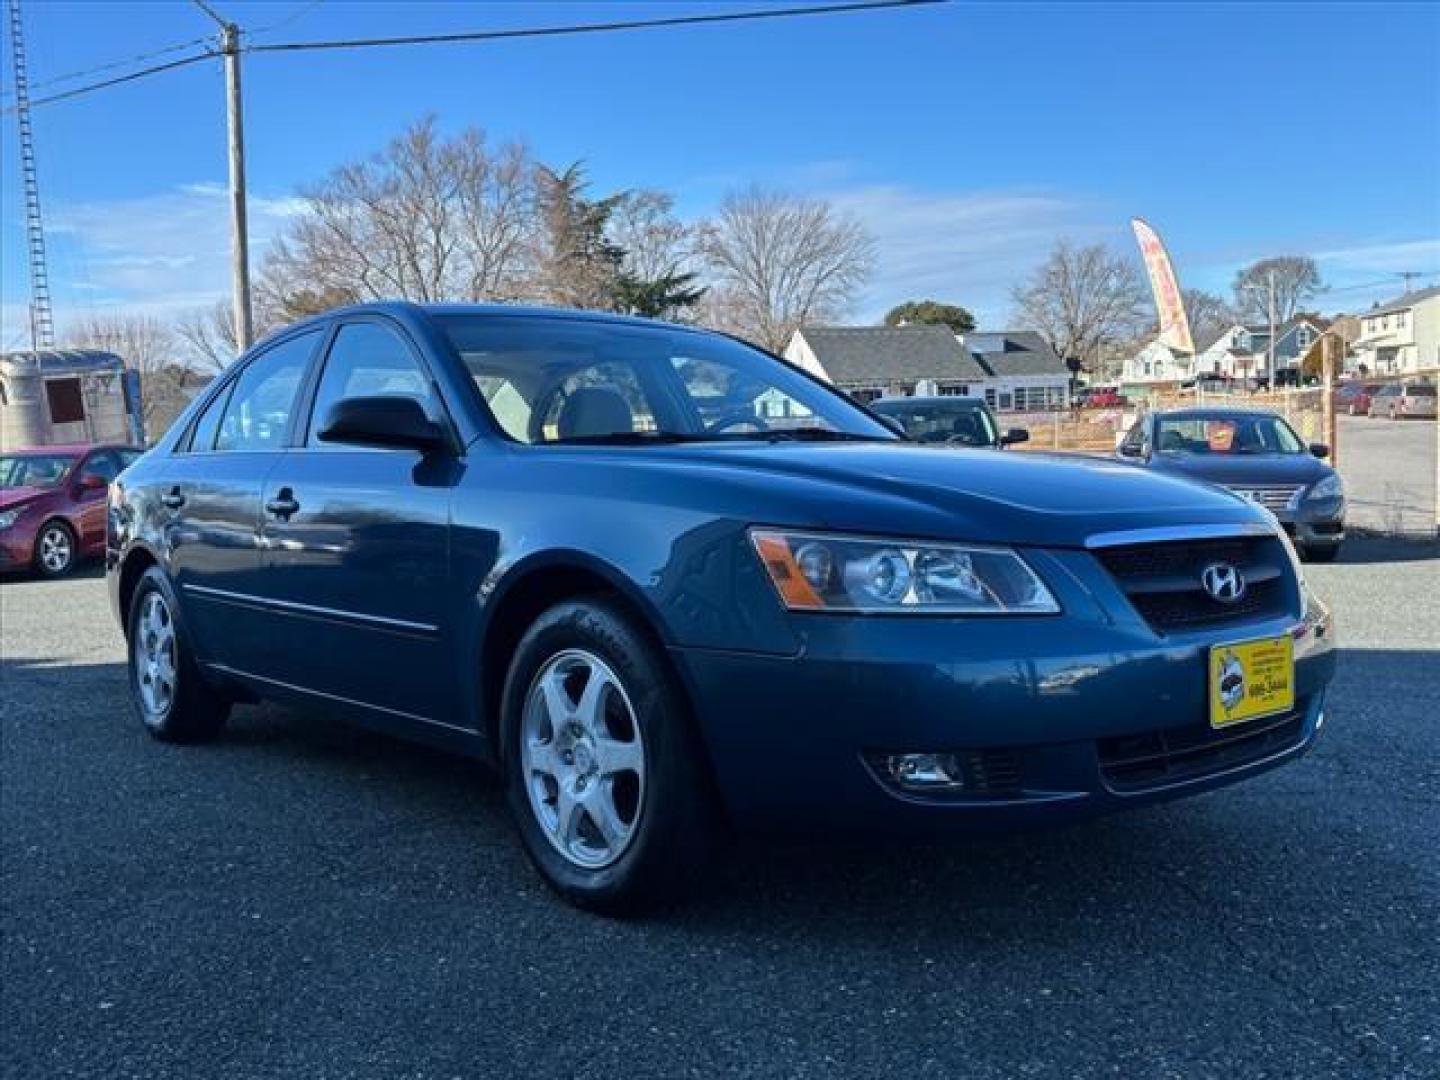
x: 926, y: 772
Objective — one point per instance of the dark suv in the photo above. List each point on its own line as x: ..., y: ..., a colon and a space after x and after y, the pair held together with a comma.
x: 671, y: 585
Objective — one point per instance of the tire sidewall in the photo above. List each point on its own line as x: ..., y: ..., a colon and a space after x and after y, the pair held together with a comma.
x: 55, y: 525
x: 153, y: 581
x: 599, y: 628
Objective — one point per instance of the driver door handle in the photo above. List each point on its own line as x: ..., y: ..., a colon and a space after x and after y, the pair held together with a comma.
x: 173, y: 499
x: 283, y: 505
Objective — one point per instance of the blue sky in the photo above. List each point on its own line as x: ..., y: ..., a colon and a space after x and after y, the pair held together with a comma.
x: 968, y: 137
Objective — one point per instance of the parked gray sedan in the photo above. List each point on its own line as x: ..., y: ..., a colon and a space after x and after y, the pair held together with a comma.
x: 1259, y: 457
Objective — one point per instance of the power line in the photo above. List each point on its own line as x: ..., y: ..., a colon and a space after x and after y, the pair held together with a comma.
x: 595, y: 28
x: 280, y: 24
x: 131, y: 77
x: 139, y: 58
x: 497, y: 35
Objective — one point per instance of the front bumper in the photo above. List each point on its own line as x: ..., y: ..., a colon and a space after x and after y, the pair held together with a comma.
x: 1316, y: 524
x: 17, y: 548
x: 1057, y: 720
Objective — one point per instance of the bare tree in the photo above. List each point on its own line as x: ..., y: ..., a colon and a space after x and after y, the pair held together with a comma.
x: 209, y: 335
x: 1295, y: 279
x: 782, y: 261
x: 148, y: 347
x: 1081, y: 298
x: 425, y: 219
x: 1209, y: 315
x: 657, y: 244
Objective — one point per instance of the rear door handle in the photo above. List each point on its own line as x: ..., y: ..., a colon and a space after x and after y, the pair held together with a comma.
x: 173, y: 499
x: 283, y: 505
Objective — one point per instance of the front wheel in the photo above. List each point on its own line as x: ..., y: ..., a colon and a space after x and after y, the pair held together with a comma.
x: 55, y: 549
x: 605, y: 775
x: 170, y: 695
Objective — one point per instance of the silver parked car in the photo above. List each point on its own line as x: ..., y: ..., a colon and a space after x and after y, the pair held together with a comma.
x: 1404, y: 401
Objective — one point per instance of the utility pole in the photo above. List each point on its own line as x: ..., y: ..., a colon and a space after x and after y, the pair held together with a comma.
x: 1270, y: 343
x: 239, y: 230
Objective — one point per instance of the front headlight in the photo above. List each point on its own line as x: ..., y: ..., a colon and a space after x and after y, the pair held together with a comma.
x: 819, y: 572
x: 8, y: 518
x: 1328, y: 488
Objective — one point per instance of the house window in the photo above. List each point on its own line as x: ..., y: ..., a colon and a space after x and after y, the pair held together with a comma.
x: 67, y: 404
x: 953, y: 390
x: 1400, y: 320
x: 990, y: 396
x: 866, y: 394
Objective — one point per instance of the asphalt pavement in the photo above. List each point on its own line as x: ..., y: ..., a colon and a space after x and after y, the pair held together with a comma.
x: 302, y: 899
x: 1389, y: 472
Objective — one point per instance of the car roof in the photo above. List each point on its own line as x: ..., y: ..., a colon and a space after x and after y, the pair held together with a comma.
x: 404, y: 308
x: 1216, y: 414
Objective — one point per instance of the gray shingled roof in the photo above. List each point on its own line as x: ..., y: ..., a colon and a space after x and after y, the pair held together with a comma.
x: 1015, y: 352
x: 1402, y: 303
x: 882, y: 354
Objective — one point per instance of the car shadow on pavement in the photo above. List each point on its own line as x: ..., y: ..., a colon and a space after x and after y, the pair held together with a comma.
x: 309, y: 777
x: 1366, y: 548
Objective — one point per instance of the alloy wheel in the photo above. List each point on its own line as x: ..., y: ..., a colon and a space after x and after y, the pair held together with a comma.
x: 56, y: 549
x: 154, y: 659
x: 583, y: 758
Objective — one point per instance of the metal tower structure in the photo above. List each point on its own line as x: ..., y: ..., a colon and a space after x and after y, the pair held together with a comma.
x: 42, y: 322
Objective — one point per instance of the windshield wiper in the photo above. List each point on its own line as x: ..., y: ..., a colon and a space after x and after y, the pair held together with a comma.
x: 630, y: 438
x: 818, y: 435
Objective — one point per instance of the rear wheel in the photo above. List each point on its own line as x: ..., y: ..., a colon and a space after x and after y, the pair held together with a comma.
x: 170, y: 695
x: 605, y: 775
x: 55, y: 549
x: 1320, y: 554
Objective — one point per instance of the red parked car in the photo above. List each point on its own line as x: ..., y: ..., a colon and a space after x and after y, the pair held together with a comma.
x: 52, y: 505
x: 1354, y: 397
x: 1105, y: 397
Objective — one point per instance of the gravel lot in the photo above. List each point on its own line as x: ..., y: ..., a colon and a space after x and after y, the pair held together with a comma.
x: 1389, y: 472
x: 304, y: 900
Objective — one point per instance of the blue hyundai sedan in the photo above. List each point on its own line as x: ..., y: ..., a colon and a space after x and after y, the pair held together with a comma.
x: 671, y: 587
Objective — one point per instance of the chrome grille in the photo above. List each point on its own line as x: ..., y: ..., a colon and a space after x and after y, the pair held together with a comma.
x: 1273, y: 497
x: 1162, y: 580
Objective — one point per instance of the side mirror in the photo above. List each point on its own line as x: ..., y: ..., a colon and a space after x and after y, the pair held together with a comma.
x: 91, y: 481
x: 1015, y: 435
x: 383, y: 422
x: 1319, y: 449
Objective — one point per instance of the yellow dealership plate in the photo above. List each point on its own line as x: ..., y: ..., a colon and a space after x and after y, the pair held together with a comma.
x: 1251, y: 679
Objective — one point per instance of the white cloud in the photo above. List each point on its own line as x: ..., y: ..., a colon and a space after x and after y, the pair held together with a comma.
x: 160, y: 254
x: 1416, y: 256
x: 967, y: 248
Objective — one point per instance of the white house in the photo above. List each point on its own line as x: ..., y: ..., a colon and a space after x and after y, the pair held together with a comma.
x: 1236, y: 352
x: 1010, y: 369
x: 1403, y: 336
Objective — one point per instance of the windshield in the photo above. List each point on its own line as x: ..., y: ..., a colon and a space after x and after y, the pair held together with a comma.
x: 34, y: 470
x: 554, y: 380
x: 1227, y: 435
x: 957, y: 422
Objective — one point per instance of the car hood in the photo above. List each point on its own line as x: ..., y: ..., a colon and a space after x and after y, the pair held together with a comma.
x: 1244, y: 468
x: 10, y: 498
x: 901, y: 488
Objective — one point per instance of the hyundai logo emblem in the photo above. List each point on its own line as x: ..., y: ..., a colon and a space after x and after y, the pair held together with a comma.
x: 1223, y: 582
